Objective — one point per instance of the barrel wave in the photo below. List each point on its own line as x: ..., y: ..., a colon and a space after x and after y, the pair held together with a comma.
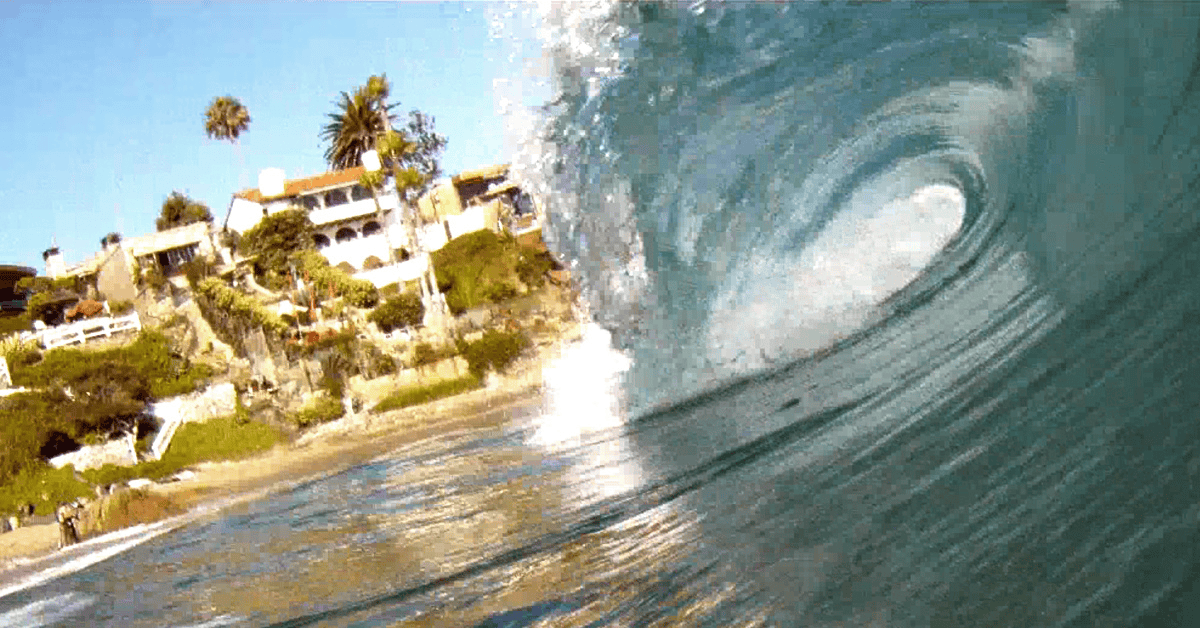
x: 922, y: 276
x: 894, y: 325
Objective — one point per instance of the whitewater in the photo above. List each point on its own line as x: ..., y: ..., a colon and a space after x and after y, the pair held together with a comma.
x: 892, y: 322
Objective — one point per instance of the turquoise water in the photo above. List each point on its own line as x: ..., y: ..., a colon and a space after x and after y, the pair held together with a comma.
x: 905, y: 302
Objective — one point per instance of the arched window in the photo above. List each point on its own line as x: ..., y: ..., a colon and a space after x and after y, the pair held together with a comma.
x: 321, y: 240
x: 371, y: 228
x: 310, y: 203
x: 345, y: 234
x: 333, y: 198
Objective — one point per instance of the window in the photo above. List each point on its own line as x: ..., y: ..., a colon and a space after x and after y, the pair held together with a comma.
x: 359, y: 193
x: 345, y: 234
x: 524, y: 204
x: 321, y: 240
x: 171, y: 259
x: 371, y: 228
x: 333, y: 198
x: 311, y: 203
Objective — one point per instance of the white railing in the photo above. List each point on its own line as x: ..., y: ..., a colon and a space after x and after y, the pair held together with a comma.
x: 82, y: 331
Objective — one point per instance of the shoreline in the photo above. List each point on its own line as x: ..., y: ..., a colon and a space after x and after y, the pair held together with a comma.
x: 323, y: 450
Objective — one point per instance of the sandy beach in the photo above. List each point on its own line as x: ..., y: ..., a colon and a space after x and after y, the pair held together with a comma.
x: 325, y: 449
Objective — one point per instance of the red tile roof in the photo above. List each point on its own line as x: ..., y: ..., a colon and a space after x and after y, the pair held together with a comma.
x: 299, y: 186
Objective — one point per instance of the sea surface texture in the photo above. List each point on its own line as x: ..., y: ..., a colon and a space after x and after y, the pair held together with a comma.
x: 897, y: 323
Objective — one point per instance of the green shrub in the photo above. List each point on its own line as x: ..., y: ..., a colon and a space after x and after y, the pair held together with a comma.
x: 469, y: 265
x: 424, y: 354
x: 326, y: 279
x: 44, y: 487
x: 274, y: 240
x: 154, y: 278
x: 532, y: 267
x: 15, y: 324
x: 239, y: 305
x: 19, y: 352
x: 110, y: 389
x: 120, y: 308
x: 499, y: 292
x: 405, y: 310
x: 390, y: 290
x: 320, y: 410
x: 494, y: 351
x: 372, y: 262
x: 198, y: 269
x: 413, y: 395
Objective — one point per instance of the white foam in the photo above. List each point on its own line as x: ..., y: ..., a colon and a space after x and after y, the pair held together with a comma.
x: 43, y: 612
x: 582, y: 390
x: 105, y: 547
x: 861, y: 258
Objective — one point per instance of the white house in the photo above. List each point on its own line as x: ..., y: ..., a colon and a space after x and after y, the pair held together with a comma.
x: 348, y: 228
x: 109, y: 271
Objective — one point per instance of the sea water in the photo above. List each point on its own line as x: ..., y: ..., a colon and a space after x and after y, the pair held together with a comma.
x: 893, y: 324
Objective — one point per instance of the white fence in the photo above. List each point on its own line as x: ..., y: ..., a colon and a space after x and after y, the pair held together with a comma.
x: 82, y: 331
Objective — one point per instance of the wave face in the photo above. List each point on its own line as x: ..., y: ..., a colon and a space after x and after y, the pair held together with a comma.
x: 925, y: 271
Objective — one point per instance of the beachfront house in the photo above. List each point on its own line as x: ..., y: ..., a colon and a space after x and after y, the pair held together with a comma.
x: 348, y: 228
x: 484, y: 198
x: 110, y: 273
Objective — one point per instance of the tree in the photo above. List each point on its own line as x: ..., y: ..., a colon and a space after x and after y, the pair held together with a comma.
x: 353, y: 129
x: 275, y: 238
x: 226, y: 119
x: 364, y: 122
x: 179, y: 210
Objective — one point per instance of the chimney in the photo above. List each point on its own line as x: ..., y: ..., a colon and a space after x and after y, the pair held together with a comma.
x: 55, y: 265
x: 110, y: 242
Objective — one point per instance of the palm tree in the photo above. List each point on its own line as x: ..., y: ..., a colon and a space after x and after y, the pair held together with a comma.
x: 225, y: 119
x: 352, y: 130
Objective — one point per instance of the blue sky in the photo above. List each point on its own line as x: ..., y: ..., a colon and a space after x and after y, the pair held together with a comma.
x: 106, y: 101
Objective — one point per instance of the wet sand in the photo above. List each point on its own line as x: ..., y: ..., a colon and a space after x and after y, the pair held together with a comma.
x: 323, y: 450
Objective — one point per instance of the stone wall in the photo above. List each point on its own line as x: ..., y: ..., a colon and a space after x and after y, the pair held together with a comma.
x: 214, y: 401
x: 375, y: 389
x: 95, y: 456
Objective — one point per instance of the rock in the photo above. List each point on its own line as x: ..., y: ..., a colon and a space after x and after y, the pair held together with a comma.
x: 139, y: 483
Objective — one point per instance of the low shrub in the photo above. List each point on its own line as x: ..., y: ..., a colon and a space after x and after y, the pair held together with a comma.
x: 15, y: 324
x: 414, y: 395
x: 321, y: 409
x: 499, y: 292
x: 532, y: 267
x: 120, y: 308
x: 239, y: 305
x: 424, y: 354
x: 326, y: 279
x: 405, y: 310
x: 372, y: 262
x: 390, y: 290
x: 44, y: 487
x: 495, y: 351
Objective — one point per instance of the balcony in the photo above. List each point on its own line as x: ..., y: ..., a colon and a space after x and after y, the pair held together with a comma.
x: 352, y: 209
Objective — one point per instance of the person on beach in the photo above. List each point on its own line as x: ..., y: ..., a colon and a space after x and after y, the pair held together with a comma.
x: 67, y: 534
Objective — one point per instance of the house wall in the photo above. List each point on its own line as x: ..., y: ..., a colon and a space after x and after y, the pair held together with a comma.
x: 243, y: 214
x: 114, y: 280
x: 439, y: 202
